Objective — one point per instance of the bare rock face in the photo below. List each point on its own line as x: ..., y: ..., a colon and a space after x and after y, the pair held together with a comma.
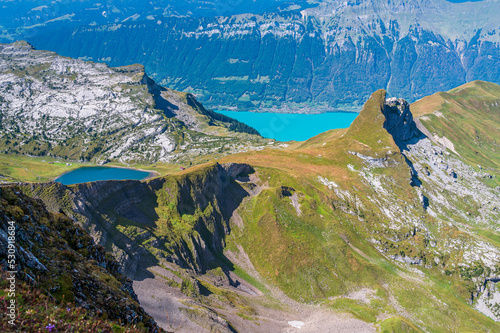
x: 86, y: 111
x: 399, y: 120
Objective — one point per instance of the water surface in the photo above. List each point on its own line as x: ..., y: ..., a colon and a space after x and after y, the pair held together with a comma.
x: 91, y: 174
x: 292, y: 126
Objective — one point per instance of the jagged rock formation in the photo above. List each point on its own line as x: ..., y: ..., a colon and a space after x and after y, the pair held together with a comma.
x: 463, y: 160
x: 180, y: 221
x: 399, y: 120
x: 448, y: 187
x: 312, y: 55
x: 488, y: 301
x: 77, y: 110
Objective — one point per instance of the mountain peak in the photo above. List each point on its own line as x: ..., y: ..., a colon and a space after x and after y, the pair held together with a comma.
x: 384, y: 123
x: 371, y: 115
x: 368, y: 127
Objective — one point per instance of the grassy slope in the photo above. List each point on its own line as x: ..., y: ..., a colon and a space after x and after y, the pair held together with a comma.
x: 37, y: 169
x: 38, y: 312
x: 469, y: 116
x: 309, y: 259
x: 25, y: 168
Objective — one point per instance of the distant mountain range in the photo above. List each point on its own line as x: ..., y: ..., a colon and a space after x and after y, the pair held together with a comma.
x: 29, y: 14
x: 289, y: 55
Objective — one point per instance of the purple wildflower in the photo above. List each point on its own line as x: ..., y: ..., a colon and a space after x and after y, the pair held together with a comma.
x: 50, y: 327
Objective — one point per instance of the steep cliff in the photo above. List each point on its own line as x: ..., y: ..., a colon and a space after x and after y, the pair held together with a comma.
x: 178, y: 222
x: 57, y: 263
x: 185, y: 217
x: 399, y: 121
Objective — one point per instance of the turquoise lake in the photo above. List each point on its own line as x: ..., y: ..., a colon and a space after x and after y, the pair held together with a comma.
x: 91, y: 174
x: 290, y: 126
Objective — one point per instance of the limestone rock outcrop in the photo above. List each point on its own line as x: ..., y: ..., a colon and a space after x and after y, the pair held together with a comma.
x: 399, y: 120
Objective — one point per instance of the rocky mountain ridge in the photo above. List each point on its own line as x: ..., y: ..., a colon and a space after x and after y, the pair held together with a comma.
x: 77, y: 110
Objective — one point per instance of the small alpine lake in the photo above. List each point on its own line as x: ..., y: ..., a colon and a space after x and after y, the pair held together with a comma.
x: 292, y: 126
x: 95, y: 173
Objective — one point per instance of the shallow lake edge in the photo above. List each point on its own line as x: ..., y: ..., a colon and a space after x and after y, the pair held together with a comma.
x: 151, y: 173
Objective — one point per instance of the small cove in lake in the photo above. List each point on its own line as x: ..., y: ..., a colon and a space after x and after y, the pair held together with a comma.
x: 95, y: 173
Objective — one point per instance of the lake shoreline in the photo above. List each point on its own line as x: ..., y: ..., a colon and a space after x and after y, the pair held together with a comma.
x: 92, y: 173
x: 288, y: 113
x: 152, y: 174
x: 308, y: 110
